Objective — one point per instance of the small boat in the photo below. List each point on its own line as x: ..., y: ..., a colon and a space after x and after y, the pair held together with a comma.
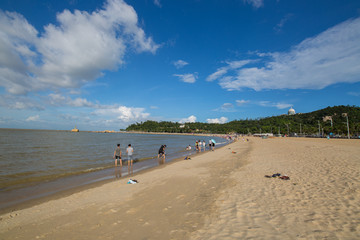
x: 75, y: 129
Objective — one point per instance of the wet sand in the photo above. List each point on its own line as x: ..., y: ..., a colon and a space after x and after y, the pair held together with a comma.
x: 216, y: 195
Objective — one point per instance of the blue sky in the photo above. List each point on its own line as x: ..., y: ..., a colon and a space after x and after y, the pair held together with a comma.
x: 107, y: 64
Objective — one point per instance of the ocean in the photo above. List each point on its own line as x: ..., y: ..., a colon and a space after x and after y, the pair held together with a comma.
x: 38, y: 163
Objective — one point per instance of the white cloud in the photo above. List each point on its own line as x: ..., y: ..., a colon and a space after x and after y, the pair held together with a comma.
x: 231, y: 66
x: 282, y: 22
x: 356, y: 94
x: 33, y: 118
x: 157, y: 3
x: 108, y: 113
x: 180, y: 64
x: 20, y: 103
x: 283, y: 105
x: 272, y: 104
x: 123, y: 113
x: 219, y: 73
x: 190, y: 119
x: 188, y: 78
x: 71, y: 53
x: 241, y: 102
x: 255, y: 3
x: 217, y: 120
x: 226, y: 107
x: 328, y: 58
x: 60, y: 100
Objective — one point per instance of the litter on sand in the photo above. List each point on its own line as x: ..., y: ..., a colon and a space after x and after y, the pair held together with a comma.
x: 279, y: 175
x: 132, y: 181
x: 187, y: 158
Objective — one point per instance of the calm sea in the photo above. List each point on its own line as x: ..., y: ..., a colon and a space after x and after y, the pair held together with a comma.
x: 36, y: 163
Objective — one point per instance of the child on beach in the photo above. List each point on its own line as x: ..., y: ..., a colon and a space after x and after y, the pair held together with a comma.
x: 117, y: 155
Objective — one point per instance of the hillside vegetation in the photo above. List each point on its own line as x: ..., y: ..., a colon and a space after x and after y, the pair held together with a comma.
x: 313, y: 123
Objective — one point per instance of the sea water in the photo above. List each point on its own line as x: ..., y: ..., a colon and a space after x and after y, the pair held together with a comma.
x: 35, y: 163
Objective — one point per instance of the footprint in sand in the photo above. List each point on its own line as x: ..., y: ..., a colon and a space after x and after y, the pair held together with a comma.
x: 180, y: 197
x: 131, y: 211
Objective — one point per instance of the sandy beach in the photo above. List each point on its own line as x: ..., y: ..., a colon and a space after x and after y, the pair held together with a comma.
x: 216, y: 195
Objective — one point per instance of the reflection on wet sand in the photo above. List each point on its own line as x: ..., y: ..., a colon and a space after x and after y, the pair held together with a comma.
x: 161, y: 160
x: 130, y: 169
x: 118, y: 171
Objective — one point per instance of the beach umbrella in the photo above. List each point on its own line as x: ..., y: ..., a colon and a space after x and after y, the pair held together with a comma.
x: 213, y: 141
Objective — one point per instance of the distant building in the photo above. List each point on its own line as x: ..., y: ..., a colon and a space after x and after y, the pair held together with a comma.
x: 291, y: 111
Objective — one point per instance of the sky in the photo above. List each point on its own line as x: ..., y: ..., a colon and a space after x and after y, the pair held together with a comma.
x: 106, y: 64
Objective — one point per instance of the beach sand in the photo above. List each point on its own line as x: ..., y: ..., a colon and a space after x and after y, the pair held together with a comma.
x: 215, y: 195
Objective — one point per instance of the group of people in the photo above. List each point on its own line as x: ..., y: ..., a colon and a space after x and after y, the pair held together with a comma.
x: 202, y: 145
x: 161, y: 153
x: 129, y: 152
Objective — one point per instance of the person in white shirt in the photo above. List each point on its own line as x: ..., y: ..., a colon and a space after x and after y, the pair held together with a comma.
x: 130, y: 151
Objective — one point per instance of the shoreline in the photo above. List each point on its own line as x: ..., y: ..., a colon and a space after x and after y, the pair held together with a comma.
x: 86, y: 181
x: 157, y: 181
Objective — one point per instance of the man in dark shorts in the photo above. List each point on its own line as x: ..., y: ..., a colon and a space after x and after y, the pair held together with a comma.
x: 117, y: 155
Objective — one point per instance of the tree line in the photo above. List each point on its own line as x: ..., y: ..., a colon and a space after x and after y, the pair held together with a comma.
x: 330, y: 120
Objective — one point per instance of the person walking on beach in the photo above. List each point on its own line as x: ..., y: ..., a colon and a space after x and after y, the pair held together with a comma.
x: 161, y: 154
x: 117, y: 155
x: 130, y: 151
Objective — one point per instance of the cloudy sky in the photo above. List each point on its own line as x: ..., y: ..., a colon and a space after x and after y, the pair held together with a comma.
x: 104, y: 64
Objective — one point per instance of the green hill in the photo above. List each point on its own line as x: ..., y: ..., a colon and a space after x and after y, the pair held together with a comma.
x: 323, y: 122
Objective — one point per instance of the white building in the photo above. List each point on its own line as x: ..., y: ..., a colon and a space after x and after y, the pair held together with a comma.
x: 291, y: 111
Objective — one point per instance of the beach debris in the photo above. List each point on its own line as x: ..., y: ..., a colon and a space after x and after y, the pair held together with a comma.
x: 279, y: 175
x: 284, y: 177
x: 274, y: 175
x: 187, y: 158
x: 132, y: 181
x: 233, y: 152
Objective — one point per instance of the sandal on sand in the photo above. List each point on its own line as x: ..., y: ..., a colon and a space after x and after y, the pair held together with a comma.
x: 274, y: 175
x: 285, y: 178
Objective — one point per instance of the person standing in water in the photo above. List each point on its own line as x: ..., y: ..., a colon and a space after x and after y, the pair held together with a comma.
x: 161, y: 154
x: 117, y: 155
x: 130, y: 151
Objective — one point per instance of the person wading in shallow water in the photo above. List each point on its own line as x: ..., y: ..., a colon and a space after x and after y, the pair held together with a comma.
x: 117, y: 155
x: 161, y: 154
x: 130, y: 151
